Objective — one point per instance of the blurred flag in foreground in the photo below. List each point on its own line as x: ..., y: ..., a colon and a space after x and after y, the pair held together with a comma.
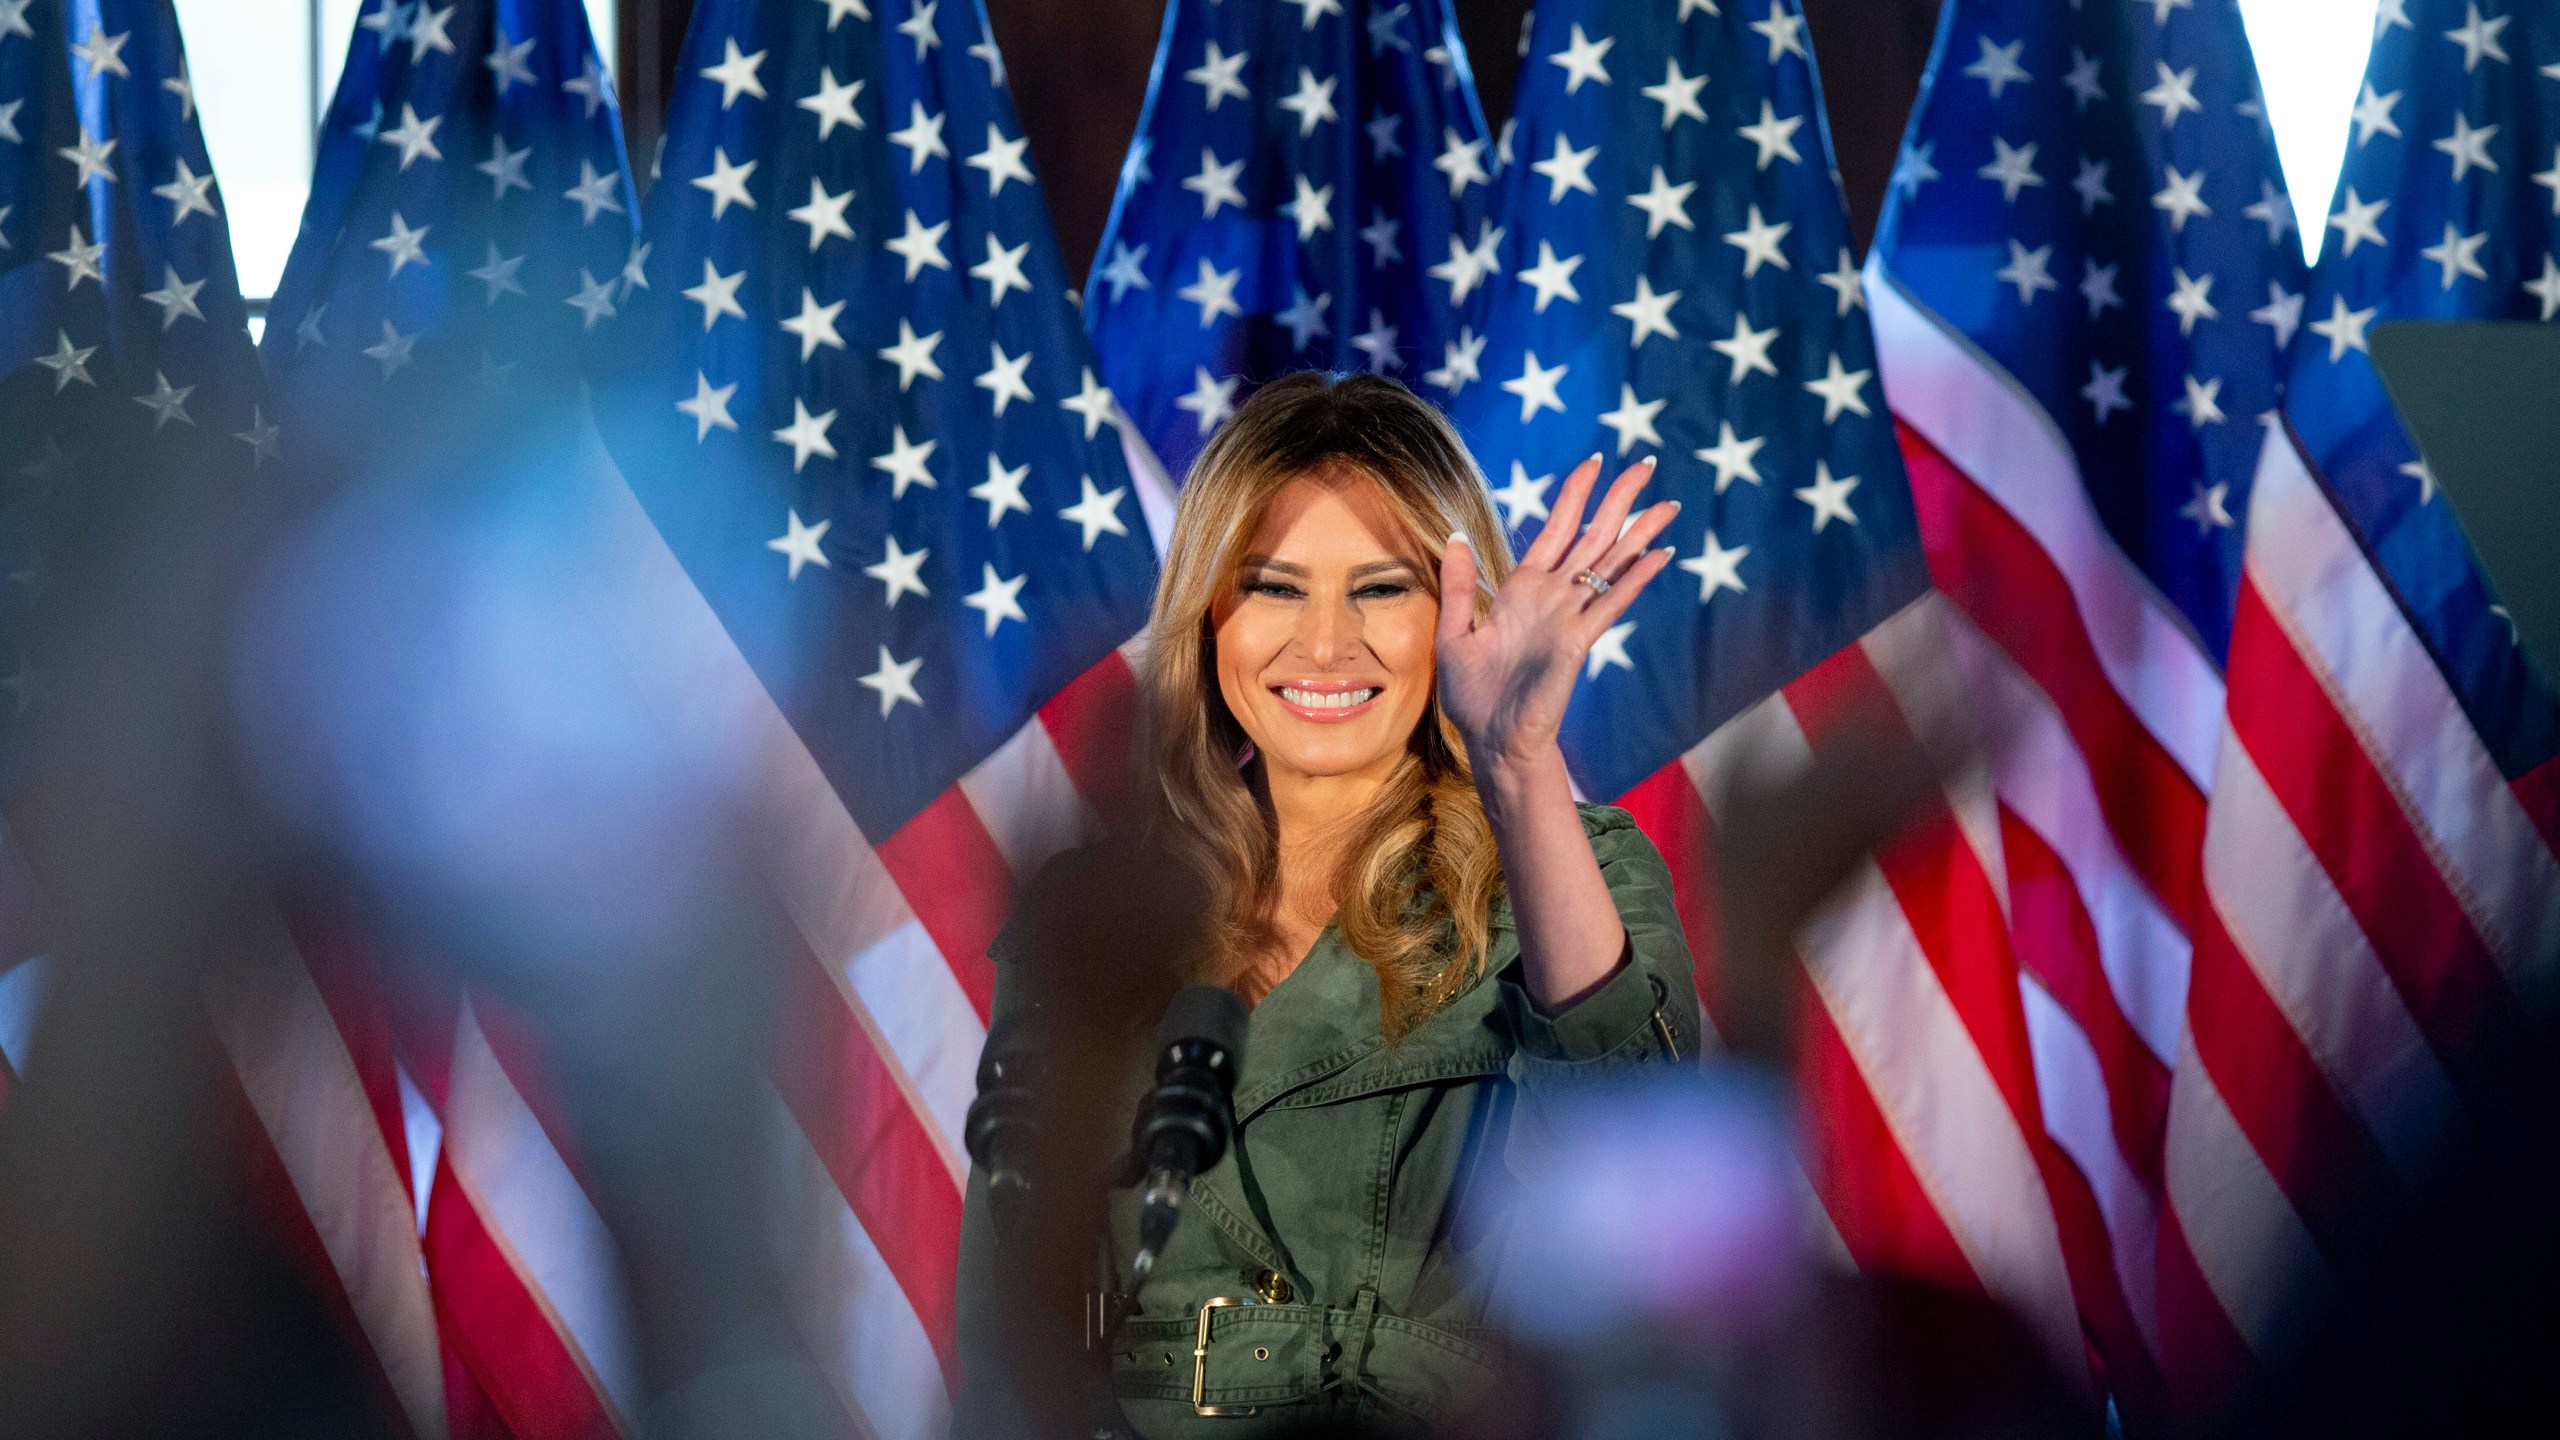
x: 2085, y: 284
x: 1307, y: 189
x: 860, y: 413
x: 470, y: 229
x: 2382, y: 900
x: 116, y: 282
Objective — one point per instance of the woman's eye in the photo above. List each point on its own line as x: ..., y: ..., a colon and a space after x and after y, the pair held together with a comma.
x: 1275, y: 589
x: 1383, y: 590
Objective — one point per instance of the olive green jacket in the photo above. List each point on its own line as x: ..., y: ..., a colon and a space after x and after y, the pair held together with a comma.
x: 1325, y: 1247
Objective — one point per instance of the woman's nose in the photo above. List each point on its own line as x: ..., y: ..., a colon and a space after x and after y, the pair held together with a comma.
x: 1330, y: 632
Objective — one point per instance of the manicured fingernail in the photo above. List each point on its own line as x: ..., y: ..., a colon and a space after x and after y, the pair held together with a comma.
x: 1674, y: 504
x: 1594, y: 460
x: 1459, y: 537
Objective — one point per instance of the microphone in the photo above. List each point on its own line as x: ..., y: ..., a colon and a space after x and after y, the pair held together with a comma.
x: 1186, y: 1124
x: 1000, y: 1131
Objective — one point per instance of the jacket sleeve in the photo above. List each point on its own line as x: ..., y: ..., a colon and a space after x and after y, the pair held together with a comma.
x: 1648, y: 1011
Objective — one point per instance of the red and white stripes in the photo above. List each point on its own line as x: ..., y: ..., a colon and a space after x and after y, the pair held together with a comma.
x: 2106, y: 712
x: 317, y: 1077
x: 2379, y: 898
x: 2254, y: 932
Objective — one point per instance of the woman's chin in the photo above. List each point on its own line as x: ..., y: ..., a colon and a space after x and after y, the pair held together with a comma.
x: 1329, y: 757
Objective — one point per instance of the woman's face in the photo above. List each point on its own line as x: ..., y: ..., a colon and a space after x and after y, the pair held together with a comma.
x: 1325, y: 633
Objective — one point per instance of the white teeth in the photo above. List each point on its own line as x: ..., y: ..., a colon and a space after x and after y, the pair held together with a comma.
x: 1327, y: 700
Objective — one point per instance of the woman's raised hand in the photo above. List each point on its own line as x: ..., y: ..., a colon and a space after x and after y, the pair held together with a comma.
x: 1505, y: 679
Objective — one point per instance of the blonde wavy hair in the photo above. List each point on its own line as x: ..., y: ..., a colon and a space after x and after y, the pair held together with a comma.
x: 1422, y: 866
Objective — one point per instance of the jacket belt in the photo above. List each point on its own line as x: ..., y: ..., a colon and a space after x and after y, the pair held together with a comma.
x: 1258, y: 1354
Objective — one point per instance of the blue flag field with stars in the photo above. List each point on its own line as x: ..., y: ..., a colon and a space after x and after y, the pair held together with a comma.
x: 470, y: 229
x: 124, y: 348
x: 2448, y: 207
x: 2091, y: 196
x: 1678, y: 283
x: 857, y: 400
x: 1307, y: 189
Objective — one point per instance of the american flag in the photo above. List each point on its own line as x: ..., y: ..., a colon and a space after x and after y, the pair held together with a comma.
x: 122, y: 339
x: 1678, y: 283
x: 1682, y: 286
x: 2085, y: 285
x: 2380, y: 888
x: 1308, y: 188
x: 866, y: 432
x: 471, y: 218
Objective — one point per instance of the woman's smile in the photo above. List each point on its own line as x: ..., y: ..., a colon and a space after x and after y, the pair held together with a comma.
x: 1327, y: 702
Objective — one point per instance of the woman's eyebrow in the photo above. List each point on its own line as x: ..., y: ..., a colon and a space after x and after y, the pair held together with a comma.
x: 1358, y: 572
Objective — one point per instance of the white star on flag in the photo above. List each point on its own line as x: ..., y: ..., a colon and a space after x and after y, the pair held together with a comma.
x: 912, y: 354
x: 922, y: 137
x: 1001, y: 490
x: 1610, y: 649
x: 1211, y: 399
x: 807, y: 435
x: 1536, y: 387
x: 997, y: 598
x: 1098, y: 513
x: 1003, y: 379
x: 1998, y: 66
x: 1829, y: 497
x: 895, y: 680
x: 799, y: 543
x: 735, y: 74
x: 709, y: 406
x: 1523, y: 497
x: 824, y: 214
x: 833, y: 104
x: 1583, y: 58
x: 904, y: 463
x: 1733, y: 456
x: 726, y: 183
x: 1717, y: 568
x: 1839, y: 389
x: 1649, y: 313
x: 920, y: 245
x: 901, y: 570
x: 1002, y: 270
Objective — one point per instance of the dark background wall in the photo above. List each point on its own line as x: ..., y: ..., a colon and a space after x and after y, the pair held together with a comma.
x: 1079, y: 70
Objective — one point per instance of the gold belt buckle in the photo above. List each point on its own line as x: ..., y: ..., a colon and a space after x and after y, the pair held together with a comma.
x: 1200, y: 1364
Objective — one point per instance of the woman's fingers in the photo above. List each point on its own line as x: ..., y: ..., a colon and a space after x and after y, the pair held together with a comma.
x: 1457, y: 587
x: 1564, y: 522
x: 1609, y: 520
x: 1605, y: 609
x: 1630, y: 546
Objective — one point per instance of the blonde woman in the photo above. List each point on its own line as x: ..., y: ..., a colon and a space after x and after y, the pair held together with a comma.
x: 1353, y: 698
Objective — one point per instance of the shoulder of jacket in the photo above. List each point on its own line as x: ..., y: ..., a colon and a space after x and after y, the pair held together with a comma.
x: 1600, y: 820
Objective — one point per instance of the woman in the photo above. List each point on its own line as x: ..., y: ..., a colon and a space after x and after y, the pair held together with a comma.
x: 1354, y: 699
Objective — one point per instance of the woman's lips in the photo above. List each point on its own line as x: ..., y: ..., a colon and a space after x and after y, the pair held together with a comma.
x: 1329, y: 703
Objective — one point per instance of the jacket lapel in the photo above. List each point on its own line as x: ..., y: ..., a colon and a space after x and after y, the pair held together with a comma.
x: 1314, y: 1039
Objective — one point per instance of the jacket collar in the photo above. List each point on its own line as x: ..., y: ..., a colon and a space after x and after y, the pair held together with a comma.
x: 1315, y: 1038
